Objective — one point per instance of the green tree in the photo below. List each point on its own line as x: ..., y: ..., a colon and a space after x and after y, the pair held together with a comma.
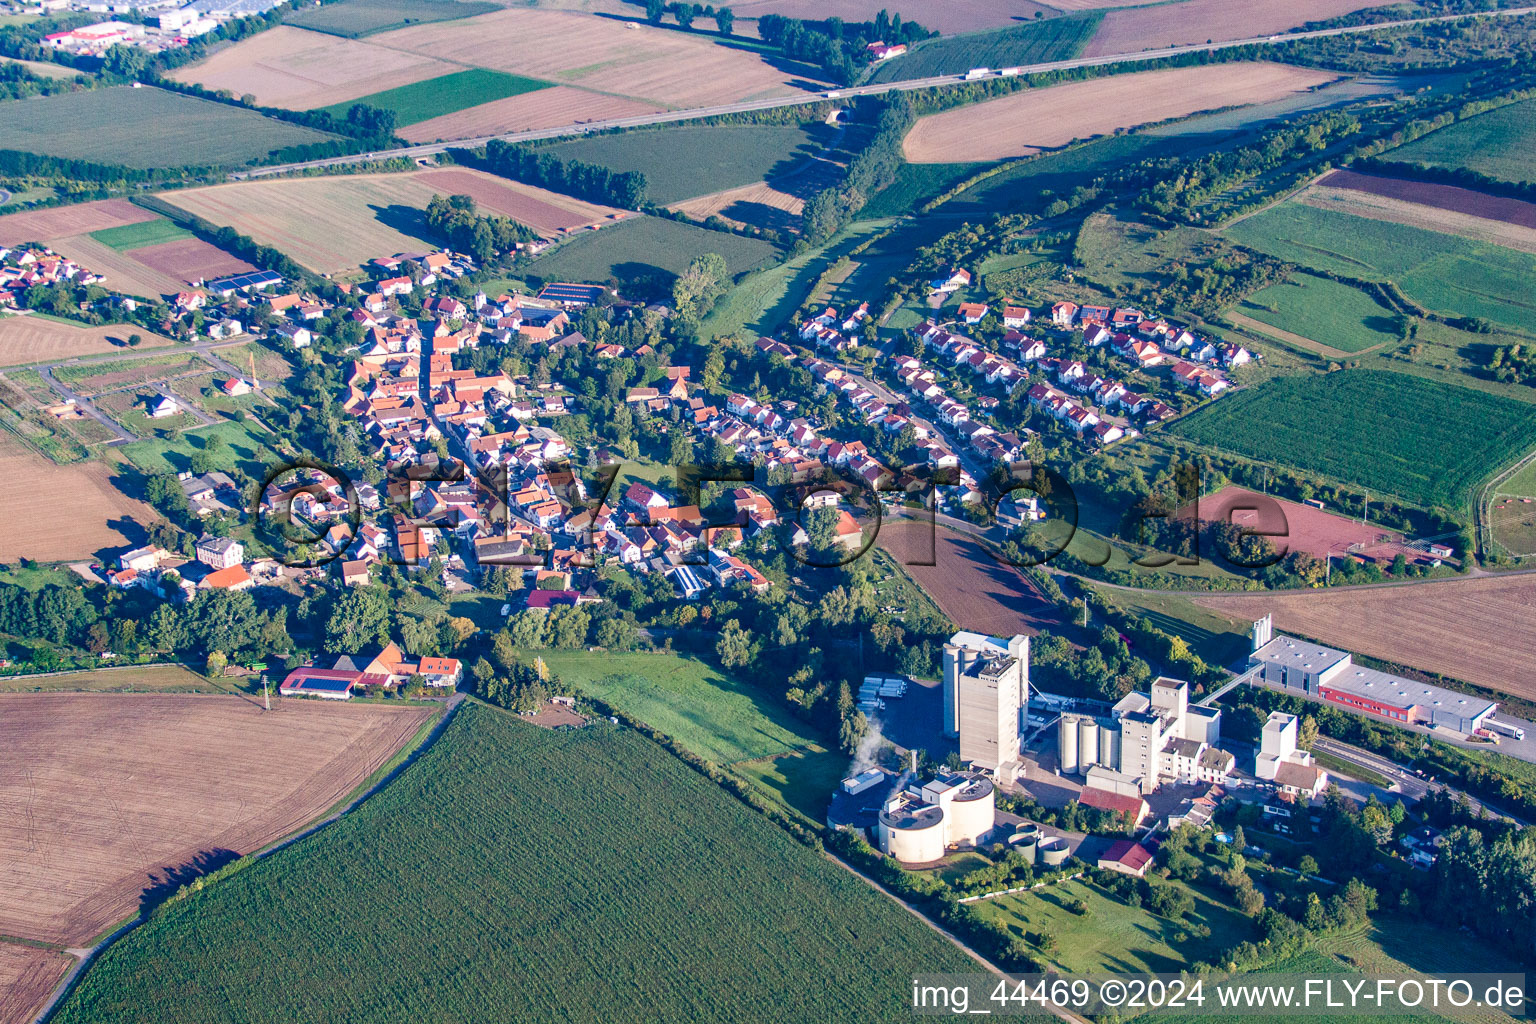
x: 655, y: 10
x: 725, y: 20
x: 685, y: 13
x: 1308, y: 865
x: 734, y: 648
x: 217, y: 662
x: 359, y: 619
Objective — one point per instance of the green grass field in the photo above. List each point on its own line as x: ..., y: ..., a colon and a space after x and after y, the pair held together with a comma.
x: 144, y: 128
x: 1439, y: 271
x: 1337, y: 315
x: 1419, y: 439
x: 1113, y: 937
x: 421, y: 101
x: 1500, y: 144
x: 353, y: 19
x: 244, y: 446
x: 647, y: 248
x: 1035, y: 42
x: 712, y: 714
x: 915, y: 185
x: 514, y: 874
x: 137, y: 236
x: 695, y: 160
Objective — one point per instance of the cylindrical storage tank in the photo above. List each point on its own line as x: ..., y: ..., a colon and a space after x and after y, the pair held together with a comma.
x: 1109, y: 747
x: 1027, y: 829
x: 1028, y: 845
x: 1087, y: 743
x: 1066, y: 742
x: 914, y: 836
x: 972, y: 813
x: 1053, y: 851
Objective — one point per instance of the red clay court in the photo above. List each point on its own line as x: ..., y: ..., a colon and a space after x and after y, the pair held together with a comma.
x: 1297, y: 527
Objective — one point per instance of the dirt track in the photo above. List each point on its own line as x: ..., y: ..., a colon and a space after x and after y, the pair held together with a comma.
x: 103, y: 796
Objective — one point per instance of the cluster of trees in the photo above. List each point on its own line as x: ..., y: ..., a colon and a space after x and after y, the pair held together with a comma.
x: 837, y: 47
x: 17, y: 82
x: 591, y: 182
x: 1074, y: 817
x: 685, y: 13
x: 870, y: 171
x: 1513, y: 364
x: 1107, y: 670
x: 482, y: 236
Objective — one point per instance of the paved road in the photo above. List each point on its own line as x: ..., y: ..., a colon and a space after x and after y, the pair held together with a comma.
x: 85, y: 405
x: 434, y: 148
x: 85, y: 956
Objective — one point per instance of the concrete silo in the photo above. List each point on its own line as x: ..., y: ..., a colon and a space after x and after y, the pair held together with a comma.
x: 1087, y: 743
x: 971, y: 811
x: 1109, y: 746
x: 912, y: 831
x: 1066, y: 743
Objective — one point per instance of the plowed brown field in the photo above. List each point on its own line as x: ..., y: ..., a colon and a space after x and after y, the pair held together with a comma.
x: 538, y: 208
x: 974, y: 589
x: 62, y: 221
x: 31, y: 339
x: 546, y: 108
x: 1195, y: 21
x: 27, y: 977
x: 103, y: 796
x: 121, y: 270
x: 1457, y: 211
x: 760, y: 205
x: 1477, y: 630
x: 1036, y: 119
x: 99, y: 515
x: 190, y: 259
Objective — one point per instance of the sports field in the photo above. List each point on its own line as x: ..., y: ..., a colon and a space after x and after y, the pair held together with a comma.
x: 435, y: 97
x: 1351, y: 425
x: 1035, y: 119
x: 696, y: 160
x: 1336, y: 315
x: 1500, y: 144
x: 1032, y: 42
x: 642, y: 891
x: 107, y: 795
x: 353, y: 19
x: 710, y: 713
x: 640, y: 248
x: 1439, y: 271
x: 1195, y: 21
x: 145, y: 127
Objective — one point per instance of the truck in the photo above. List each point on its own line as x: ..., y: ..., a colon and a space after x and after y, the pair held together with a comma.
x: 975, y: 73
x: 833, y: 94
x: 1008, y: 72
x: 1507, y: 729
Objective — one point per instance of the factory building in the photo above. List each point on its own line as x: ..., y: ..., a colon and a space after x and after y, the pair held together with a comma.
x: 1149, y: 738
x: 1331, y: 675
x: 1278, y: 760
x: 986, y: 684
x: 919, y: 824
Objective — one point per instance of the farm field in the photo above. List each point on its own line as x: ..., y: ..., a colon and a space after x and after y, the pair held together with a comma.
x: 1035, y: 119
x: 714, y: 715
x: 601, y: 54
x: 32, y: 339
x: 141, y: 234
x: 427, y: 99
x: 27, y: 977
x: 681, y: 163
x: 1424, y: 626
x: 1114, y: 937
x: 46, y: 69
x: 759, y: 205
x: 150, y: 258
x: 1354, y: 430
x: 529, y: 111
x: 137, y: 679
x: 64, y: 221
x: 101, y: 515
x: 144, y: 128
x: 91, y: 378
x: 1455, y: 211
x: 1511, y: 512
x: 1333, y: 314
x: 643, y: 247
x: 353, y: 19
x: 1297, y: 527
x: 1500, y: 143
x: 1032, y: 42
x: 294, y: 68
x: 1195, y: 21
x: 107, y: 795
x: 739, y: 913
x: 972, y: 588
x: 1439, y: 271
x: 915, y: 185
x: 946, y: 16
x: 335, y: 224
x: 243, y: 448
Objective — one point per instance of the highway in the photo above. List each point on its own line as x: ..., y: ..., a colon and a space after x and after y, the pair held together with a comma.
x: 662, y: 117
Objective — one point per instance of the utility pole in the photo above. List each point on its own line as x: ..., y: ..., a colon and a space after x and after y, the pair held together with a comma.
x: 266, y: 695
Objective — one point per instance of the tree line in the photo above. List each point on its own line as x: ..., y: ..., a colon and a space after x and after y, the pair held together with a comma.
x: 456, y: 219
x: 872, y: 169
x: 837, y: 47
x: 592, y: 182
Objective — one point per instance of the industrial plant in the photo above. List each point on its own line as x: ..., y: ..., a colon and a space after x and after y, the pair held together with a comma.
x: 1147, y: 739
x: 986, y: 684
x: 919, y: 823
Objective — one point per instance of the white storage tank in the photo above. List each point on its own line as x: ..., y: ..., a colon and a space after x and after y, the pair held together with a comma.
x: 1026, y: 843
x: 1109, y: 746
x: 972, y: 811
x: 1087, y: 743
x: 1066, y: 741
x: 912, y: 832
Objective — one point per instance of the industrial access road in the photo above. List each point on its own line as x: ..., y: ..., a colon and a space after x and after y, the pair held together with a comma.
x: 434, y: 148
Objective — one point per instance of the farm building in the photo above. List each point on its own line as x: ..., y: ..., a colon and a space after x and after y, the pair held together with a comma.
x: 309, y: 681
x: 1126, y: 857
x: 1333, y: 676
x: 257, y: 280
x: 572, y: 294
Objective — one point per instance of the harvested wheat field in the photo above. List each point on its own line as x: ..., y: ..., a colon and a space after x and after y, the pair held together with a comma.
x: 1455, y: 211
x: 760, y: 205
x: 103, y: 796
x: 190, y: 260
x: 295, y: 68
x: 31, y: 339
x: 1425, y: 625
x: 1035, y: 119
x: 945, y: 16
x: 27, y: 978
x: 660, y: 65
x: 538, y: 208
x: 545, y: 108
x: 64, y: 221
x: 971, y: 587
x: 1097, y: 5
x: 121, y: 271
x: 99, y: 514
x: 1195, y: 21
